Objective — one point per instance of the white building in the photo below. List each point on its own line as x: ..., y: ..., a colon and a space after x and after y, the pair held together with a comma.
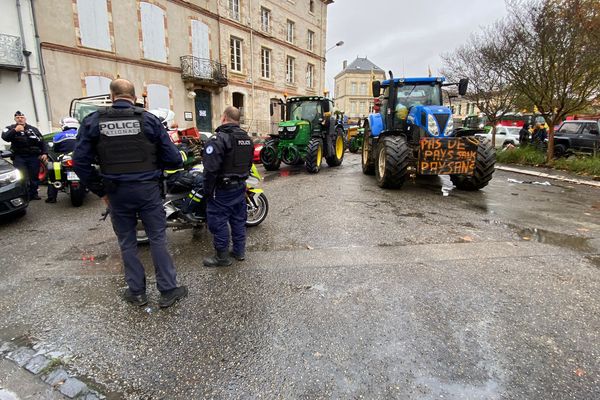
x: 21, y: 80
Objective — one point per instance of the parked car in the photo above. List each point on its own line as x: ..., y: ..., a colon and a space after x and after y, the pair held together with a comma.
x: 259, y: 143
x: 505, y: 135
x: 582, y: 136
x: 13, y: 188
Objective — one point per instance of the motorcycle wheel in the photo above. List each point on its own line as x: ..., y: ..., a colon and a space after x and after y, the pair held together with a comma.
x: 258, y: 208
x: 77, y: 194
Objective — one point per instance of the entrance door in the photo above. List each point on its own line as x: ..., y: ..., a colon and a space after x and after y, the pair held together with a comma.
x: 277, y: 115
x: 203, y: 111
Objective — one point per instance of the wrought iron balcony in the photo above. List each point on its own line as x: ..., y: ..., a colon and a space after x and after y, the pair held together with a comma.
x: 11, y: 52
x: 203, y: 71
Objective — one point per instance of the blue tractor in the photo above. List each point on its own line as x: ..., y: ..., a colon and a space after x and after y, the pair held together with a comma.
x: 413, y: 134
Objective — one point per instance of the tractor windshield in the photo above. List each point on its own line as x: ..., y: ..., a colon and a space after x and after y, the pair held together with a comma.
x: 419, y: 95
x: 306, y: 110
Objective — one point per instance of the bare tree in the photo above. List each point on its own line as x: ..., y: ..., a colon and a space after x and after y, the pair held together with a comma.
x: 488, y: 85
x: 549, y: 50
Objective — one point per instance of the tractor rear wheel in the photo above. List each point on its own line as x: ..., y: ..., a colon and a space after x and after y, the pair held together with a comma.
x: 314, y: 155
x: 368, y: 167
x: 484, y: 168
x: 268, y: 155
x: 335, y: 159
x: 392, y: 162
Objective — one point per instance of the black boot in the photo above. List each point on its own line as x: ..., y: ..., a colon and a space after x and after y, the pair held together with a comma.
x: 239, y: 257
x: 220, y: 259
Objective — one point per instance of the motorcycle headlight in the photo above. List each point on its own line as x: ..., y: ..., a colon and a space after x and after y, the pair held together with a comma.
x: 10, y: 177
x: 450, y: 125
x: 432, y: 126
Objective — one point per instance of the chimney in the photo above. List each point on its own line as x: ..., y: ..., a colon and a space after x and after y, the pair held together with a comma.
x: 345, y: 64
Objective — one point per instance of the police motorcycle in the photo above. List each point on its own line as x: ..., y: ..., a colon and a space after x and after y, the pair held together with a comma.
x: 60, y: 165
x: 184, y: 205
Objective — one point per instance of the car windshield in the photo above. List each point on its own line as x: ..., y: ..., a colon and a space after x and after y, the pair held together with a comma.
x: 569, y: 127
x: 418, y: 95
x: 307, y: 110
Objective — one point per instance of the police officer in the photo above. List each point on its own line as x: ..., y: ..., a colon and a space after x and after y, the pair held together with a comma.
x: 63, y: 143
x: 28, y: 149
x: 131, y: 147
x: 227, y: 161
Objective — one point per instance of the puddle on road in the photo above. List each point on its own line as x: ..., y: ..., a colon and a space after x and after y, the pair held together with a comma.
x: 557, y: 239
x: 572, y: 242
x: 595, y: 260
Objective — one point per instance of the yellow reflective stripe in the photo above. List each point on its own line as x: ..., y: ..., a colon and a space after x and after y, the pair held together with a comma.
x: 255, y: 171
x: 183, y: 155
x: 56, y: 168
x: 196, y: 199
x: 172, y: 171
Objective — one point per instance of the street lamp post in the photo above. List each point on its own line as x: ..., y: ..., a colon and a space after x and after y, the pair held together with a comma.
x: 338, y: 44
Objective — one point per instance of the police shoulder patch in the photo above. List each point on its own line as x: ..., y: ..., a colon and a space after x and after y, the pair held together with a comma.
x: 209, y: 150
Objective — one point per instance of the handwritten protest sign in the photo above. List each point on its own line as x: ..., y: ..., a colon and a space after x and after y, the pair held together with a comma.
x: 443, y: 156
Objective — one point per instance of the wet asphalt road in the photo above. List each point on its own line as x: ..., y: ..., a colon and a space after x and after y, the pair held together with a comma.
x: 348, y: 291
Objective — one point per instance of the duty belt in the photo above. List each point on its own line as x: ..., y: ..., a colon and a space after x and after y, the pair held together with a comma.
x: 230, y: 183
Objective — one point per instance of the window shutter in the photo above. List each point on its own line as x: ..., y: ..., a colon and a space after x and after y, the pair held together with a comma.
x: 158, y: 97
x: 96, y: 85
x: 93, y: 24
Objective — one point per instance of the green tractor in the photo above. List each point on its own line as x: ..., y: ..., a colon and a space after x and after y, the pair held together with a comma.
x: 308, y: 134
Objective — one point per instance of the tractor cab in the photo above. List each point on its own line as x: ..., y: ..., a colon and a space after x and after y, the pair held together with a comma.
x: 413, y: 106
x: 315, y: 110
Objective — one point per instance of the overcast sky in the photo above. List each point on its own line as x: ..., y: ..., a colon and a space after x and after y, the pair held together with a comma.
x: 397, y: 34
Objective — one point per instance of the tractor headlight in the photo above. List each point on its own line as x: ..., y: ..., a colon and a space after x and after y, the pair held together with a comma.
x: 291, y: 129
x: 10, y: 177
x: 450, y: 125
x: 432, y: 126
x: 281, y: 129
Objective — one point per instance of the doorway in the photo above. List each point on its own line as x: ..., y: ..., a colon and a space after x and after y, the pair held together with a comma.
x: 203, y: 111
x: 237, y: 100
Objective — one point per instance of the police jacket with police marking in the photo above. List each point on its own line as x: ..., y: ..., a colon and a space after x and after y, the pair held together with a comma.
x: 64, y: 142
x: 28, y: 142
x: 86, y: 152
x: 227, y: 155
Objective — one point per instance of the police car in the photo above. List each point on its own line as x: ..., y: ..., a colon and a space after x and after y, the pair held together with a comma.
x: 13, y: 188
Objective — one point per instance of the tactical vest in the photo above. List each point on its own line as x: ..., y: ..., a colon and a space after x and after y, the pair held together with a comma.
x: 238, y: 161
x: 26, y: 142
x: 123, y: 148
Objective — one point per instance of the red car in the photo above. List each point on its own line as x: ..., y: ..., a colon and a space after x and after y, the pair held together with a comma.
x: 258, y: 145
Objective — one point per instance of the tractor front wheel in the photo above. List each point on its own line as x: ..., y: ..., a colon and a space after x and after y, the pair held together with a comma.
x: 484, y: 168
x: 368, y: 167
x: 353, y: 146
x: 269, y: 155
x: 335, y: 159
x: 392, y: 162
x: 314, y: 155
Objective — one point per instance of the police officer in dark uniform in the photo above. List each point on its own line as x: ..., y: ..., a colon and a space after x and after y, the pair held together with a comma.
x: 131, y: 147
x: 29, y: 148
x: 227, y: 161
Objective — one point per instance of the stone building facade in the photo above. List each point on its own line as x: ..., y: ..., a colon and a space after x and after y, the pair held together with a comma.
x: 353, y: 93
x: 194, y: 57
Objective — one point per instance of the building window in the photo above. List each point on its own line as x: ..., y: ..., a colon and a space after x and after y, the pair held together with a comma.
x: 200, y: 44
x: 153, y: 32
x: 290, y: 31
x: 362, y: 110
x: 460, y: 109
x: 311, y: 6
x: 265, y: 19
x: 353, y: 107
x: 289, y: 70
x: 310, y: 40
x: 235, y: 47
x: 353, y: 88
x: 363, y: 88
x: 234, y: 9
x: 96, y: 85
x: 265, y: 63
x: 93, y: 24
x: 158, y: 97
x: 310, y: 75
